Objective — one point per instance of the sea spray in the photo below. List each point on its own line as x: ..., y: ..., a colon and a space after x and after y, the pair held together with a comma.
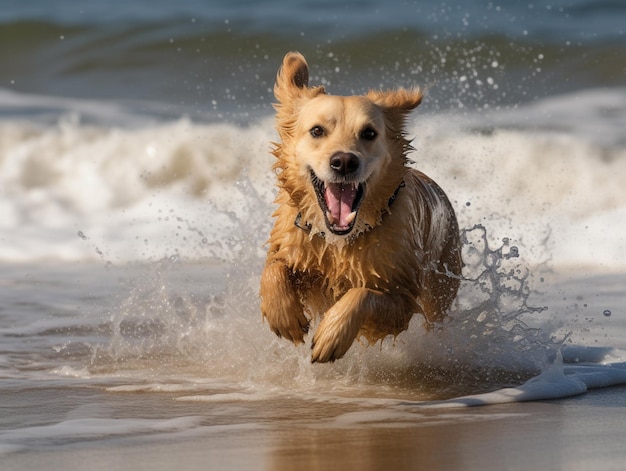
x: 201, y: 320
x: 492, y: 307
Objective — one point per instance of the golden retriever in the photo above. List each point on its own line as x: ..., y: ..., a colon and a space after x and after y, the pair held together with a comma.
x: 359, y: 239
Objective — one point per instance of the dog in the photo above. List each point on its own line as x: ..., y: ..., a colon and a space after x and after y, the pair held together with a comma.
x: 360, y: 239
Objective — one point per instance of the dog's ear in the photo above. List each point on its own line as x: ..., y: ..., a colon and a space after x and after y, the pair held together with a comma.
x: 292, y: 90
x: 292, y: 80
x: 294, y: 72
x: 292, y: 77
x: 399, y: 101
x: 396, y: 105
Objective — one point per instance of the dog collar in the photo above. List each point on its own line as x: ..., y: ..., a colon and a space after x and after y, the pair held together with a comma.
x: 307, y: 227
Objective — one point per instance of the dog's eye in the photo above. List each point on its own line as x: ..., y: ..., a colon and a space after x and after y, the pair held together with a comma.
x: 317, y: 131
x: 368, y: 134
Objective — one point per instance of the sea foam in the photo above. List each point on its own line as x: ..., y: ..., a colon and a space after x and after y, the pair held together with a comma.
x: 136, y: 189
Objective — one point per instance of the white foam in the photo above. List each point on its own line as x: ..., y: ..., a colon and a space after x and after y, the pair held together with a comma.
x: 225, y: 397
x: 535, y: 188
x: 155, y: 387
x: 98, y: 428
x: 126, y: 191
x: 560, y: 380
x: 146, y: 190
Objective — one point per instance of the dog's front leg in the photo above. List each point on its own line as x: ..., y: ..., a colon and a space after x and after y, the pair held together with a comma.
x: 342, y: 322
x: 280, y: 303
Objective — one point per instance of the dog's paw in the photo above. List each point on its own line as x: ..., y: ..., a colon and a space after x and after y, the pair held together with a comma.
x: 291, y: 326
x: 333, y: 337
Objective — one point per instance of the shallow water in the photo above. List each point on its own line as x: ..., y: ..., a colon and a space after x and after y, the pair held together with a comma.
x: 156, y: 357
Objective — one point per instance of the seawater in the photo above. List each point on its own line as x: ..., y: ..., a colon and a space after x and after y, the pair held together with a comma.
x: 219, y: 58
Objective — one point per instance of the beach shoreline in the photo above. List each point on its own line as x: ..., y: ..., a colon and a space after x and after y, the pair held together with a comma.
x: 578, y: 433
x: 67, y: 412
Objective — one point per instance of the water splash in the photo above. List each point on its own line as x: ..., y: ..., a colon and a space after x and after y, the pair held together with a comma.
x: 492, y: 308
x: 201, y: 321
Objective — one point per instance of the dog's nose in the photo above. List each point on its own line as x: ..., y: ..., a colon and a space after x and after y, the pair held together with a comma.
x: 344, y: 163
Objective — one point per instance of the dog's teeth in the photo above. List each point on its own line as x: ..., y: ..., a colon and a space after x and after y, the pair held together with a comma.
x: 350, y: 217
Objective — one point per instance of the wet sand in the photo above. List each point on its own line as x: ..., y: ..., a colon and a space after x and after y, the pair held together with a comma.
x: 580, y: 433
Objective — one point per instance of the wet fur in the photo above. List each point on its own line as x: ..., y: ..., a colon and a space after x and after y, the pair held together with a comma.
x: 399, y: 259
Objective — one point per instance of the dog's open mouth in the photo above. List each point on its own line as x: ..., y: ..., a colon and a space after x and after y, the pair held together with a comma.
x: 339, y: 202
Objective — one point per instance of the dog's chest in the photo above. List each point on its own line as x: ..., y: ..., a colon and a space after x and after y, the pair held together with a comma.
x: 364, y: 264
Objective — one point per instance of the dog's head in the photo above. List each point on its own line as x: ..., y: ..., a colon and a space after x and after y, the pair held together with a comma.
x: 341, y: 159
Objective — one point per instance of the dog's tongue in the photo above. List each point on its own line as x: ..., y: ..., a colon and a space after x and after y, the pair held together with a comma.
x: 339, y: 200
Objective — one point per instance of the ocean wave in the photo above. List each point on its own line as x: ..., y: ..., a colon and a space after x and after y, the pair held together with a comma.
x: 75, y: 190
